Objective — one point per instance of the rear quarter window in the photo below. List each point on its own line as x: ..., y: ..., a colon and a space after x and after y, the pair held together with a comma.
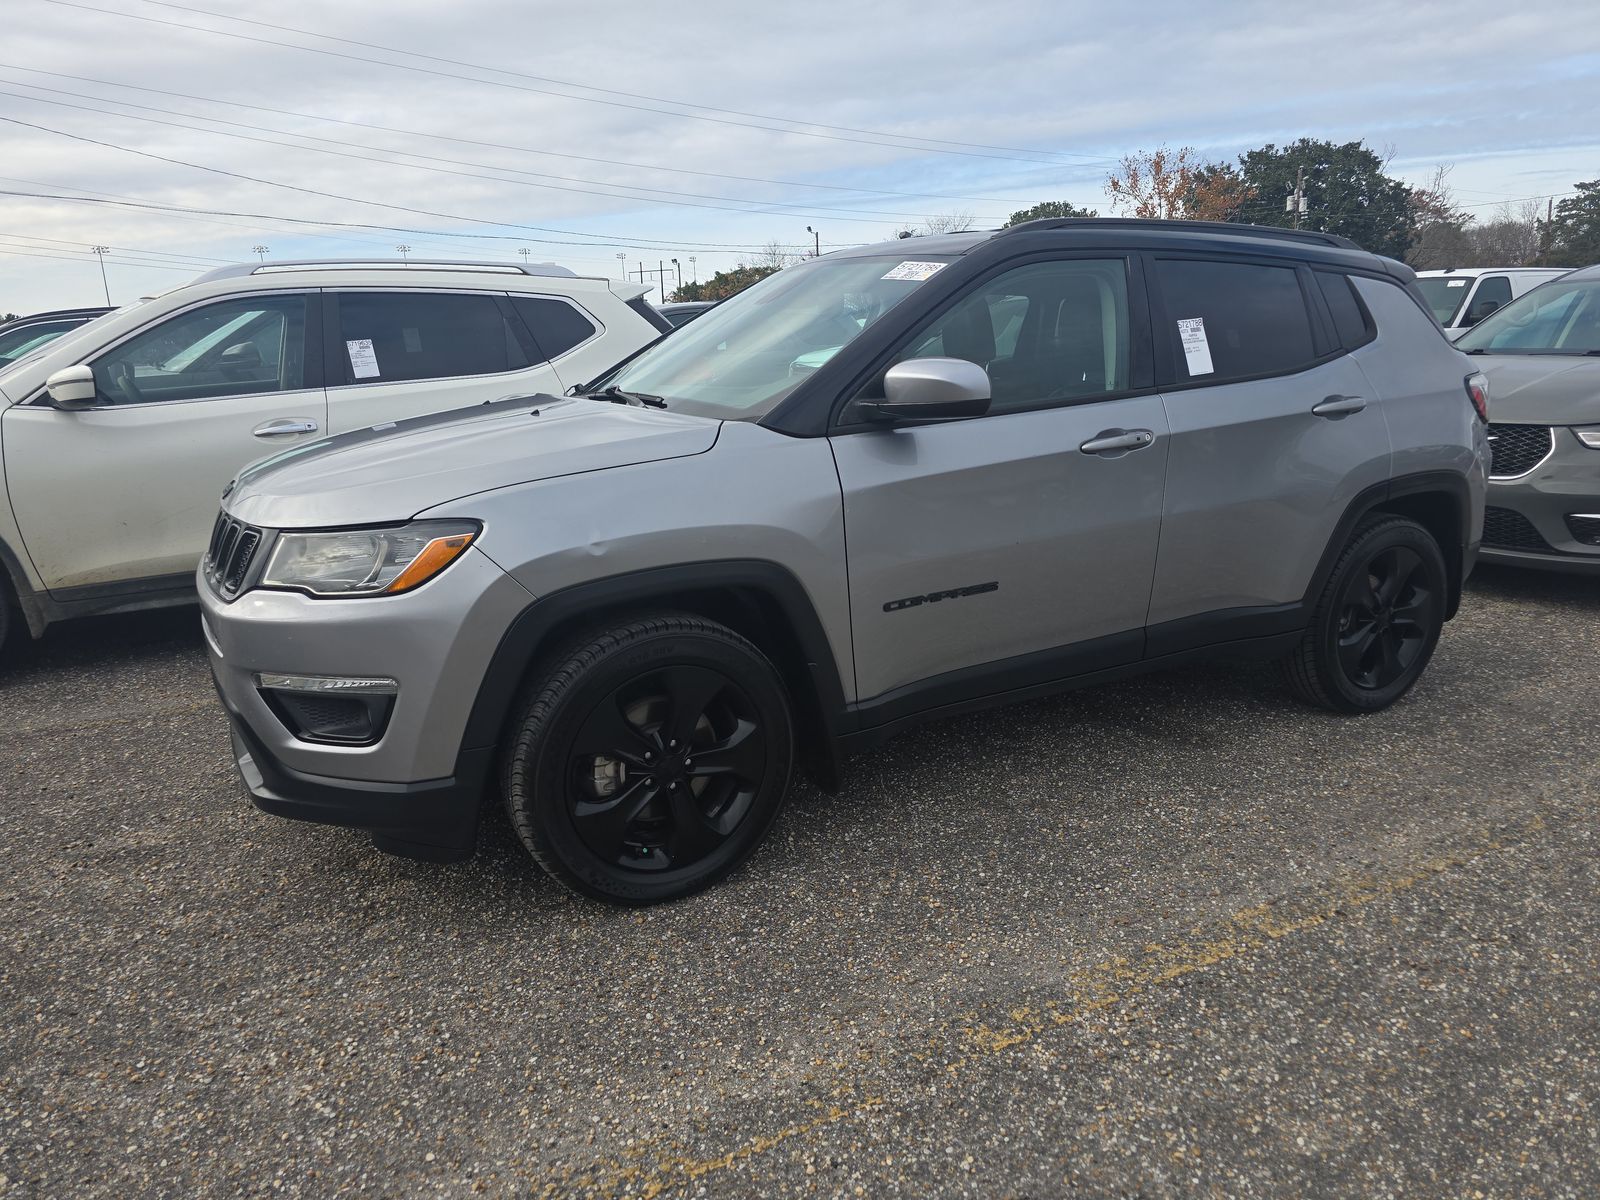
x: 1351, y: 322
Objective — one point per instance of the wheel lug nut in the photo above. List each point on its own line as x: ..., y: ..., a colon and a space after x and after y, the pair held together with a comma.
x: 673, y: 786
x: 650, y: 782
x: 649, y: 757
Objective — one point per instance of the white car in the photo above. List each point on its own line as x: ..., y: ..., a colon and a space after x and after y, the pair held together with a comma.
x: 1460, y: 297
x: 117, y: 439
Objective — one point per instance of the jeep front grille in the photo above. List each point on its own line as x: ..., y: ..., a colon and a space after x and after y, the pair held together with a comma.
x: 233, y: 547
x: 1518, y: 449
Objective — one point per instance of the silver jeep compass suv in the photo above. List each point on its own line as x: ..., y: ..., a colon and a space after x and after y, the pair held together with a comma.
x: 891, y: 483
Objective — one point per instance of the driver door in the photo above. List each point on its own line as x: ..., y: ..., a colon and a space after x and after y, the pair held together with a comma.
x: 123, y: 495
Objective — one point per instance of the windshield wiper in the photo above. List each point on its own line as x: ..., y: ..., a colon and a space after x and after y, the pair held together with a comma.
x: 617, y: 396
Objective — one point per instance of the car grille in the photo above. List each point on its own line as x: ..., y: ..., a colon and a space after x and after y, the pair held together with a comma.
x: 233, y: 546
x: 1511, y: 531
x: 1518, y: 449
x: 1585, y: 529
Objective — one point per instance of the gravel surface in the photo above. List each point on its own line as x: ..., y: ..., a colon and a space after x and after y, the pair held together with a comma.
x: 1173, y: 937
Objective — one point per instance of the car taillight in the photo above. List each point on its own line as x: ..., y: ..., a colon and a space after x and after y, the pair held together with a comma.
x: 1478, y: 393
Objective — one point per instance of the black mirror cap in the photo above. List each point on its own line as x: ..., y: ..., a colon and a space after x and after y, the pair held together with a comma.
x: 886, y: 412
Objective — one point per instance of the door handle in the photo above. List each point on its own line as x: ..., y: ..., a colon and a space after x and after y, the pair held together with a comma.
x: 1339, y: 406
x: 285, y: 427
x: 1117, y: 441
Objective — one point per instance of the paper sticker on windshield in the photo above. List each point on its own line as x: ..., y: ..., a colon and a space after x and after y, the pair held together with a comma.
x: 916, y: 272
x: 363, y: 359
x: 1196, y: 350
x: 1455, y: 283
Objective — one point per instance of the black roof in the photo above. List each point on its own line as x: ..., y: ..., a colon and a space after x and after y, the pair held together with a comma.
x: 57, y: 314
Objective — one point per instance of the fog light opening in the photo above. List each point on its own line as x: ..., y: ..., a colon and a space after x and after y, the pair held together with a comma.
x: 336, y: 709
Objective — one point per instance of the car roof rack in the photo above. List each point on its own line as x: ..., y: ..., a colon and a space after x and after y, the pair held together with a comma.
x: 240, y: 270
x: 1225, y: 228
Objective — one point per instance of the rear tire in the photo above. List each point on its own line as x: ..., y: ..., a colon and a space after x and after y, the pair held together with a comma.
x: 1377, y: 621
x: 649, y: 758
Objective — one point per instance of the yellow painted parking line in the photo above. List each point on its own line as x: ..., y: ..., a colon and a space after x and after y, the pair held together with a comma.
x: 655, y: 1167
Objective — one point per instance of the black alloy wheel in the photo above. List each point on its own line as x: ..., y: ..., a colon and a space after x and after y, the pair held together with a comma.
x: 649, y: 758
x: 1377, y: 621
x: 665, y: 768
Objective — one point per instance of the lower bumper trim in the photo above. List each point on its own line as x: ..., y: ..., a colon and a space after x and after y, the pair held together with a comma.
x: 435, y: 820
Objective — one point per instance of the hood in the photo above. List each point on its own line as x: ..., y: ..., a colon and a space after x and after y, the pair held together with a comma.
x: 1542, y: 389
x: 393, y: 471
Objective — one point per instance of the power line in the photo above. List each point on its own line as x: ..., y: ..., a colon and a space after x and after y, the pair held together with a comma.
x: 811, y: 133
x: 960, y: 147
x: 200, y: 260
x: 612, y: 162
x: 188, y: 270
x: 874, y: 215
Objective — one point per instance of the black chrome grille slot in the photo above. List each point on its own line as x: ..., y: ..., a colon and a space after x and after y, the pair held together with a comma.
x: 1511, y: 530
x: 232, y: 550
x: 1518, y: 449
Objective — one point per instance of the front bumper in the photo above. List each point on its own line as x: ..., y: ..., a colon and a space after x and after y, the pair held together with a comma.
x: 418, y: 788
x: 1566, y: 482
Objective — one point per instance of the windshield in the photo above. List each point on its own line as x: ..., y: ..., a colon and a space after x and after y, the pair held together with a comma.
x: 739, y: 359
x: 1444, y: 295
x: 18, y: 342
x: 1561, y: 317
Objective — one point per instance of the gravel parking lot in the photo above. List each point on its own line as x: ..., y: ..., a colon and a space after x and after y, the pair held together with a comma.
x: 1171, y: 937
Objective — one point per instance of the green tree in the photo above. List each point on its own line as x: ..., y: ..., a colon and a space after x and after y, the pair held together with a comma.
x: 1572, y: 237
x: 723, y: 284
x: 1346, y: 190
x: 1049, y: 208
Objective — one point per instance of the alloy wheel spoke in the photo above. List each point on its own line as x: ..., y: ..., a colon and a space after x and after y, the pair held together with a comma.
x: 1400, y: 563
x: 692, y: 836
x: 690, y: 691
x: 604, y: 823
x: 742, y: 755
x: 607, y: 732
x: 1355, y: 650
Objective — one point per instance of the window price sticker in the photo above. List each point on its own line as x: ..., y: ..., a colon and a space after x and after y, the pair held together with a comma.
x: 916, y: 272
x: 363, y: 358
x: 1196, y: 350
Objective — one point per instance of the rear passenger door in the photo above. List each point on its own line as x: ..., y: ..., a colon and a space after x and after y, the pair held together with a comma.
x: 1274, y: 430
x: 395, y: 354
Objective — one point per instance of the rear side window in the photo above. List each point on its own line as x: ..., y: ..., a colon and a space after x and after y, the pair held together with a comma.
x: 1230, y: 320
x: 556, y: 325
x: 1350, y: 320
x: 395, y: 336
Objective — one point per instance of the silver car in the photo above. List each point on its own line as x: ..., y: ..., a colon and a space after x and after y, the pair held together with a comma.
x: 1542, y: 356
x: 889, y: 484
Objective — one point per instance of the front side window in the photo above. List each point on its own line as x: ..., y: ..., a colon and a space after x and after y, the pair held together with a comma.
x: 1494, y: 291
x: 1046, y: 333
x: 741, y: 358
x: 233, y: 348
x: 1233, y: 320
x: 391, y: 337
x: 1560, y: 317
x: 1444, y: 294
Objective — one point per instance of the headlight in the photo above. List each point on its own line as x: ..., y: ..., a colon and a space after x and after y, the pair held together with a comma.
x: 367, y: 562
x: 1590, y: 437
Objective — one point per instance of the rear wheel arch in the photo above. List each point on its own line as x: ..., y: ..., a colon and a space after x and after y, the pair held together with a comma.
x: 761, y: 601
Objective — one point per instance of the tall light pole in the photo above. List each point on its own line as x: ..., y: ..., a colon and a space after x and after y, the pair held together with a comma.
x: 816, y: 241
x: 694, y: 275
x: 676, y: 266
x: 405, y: 250
x: 101, y: 252
x: 260, y: 252
x: 524, y: 251
x: 623, y: 259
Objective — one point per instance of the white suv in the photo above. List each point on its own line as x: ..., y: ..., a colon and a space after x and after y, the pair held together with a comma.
x: 1460, y: 297
x: 117, y: 438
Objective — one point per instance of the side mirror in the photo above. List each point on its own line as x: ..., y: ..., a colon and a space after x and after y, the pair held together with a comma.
x: 930, y: 389
x: 240, y: 356
x: 72, y: 389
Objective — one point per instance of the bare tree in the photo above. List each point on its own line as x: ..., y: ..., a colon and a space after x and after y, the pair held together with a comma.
x: 1441, y: 237
x: 1508, y: 239
x: 774, y: 256
x: 952, y: 222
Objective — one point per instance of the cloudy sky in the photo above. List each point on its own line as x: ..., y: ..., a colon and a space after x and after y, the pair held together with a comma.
x: 183, y: 134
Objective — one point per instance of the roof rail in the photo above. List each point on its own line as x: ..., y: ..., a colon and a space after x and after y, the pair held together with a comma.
x: 240, y: 270
x: 1226, y: 228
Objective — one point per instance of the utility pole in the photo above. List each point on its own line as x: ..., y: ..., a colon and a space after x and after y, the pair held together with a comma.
x: 678, y: 267
x: 261, y: 252
x: 1296, y: 203
x: 524, y: 251
x: 404, y: 251
x: 623, y: 259
x: 661, y: 277
x: 101, y: 252
x: 816, y: 242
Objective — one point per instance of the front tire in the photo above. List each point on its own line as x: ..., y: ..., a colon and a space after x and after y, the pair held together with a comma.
x: 649, y: 759
x: 1377, y: 622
